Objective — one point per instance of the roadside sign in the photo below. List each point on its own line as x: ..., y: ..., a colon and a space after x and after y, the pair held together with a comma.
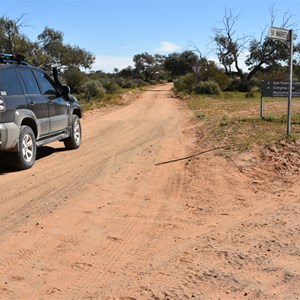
x: 279, y: 34
x: 196, y: 69
x: 279, y: 89
x: 285, y: 35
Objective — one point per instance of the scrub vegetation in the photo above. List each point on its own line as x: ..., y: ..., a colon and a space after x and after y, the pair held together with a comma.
x: 234, y: 121
x: 192, y: 72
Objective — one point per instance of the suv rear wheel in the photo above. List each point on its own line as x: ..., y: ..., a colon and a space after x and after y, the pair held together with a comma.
x: 26, y: 154
x: 74, y: 141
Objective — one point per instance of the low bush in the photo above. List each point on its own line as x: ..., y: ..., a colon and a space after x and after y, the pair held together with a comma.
x: 208, y: 88
x: 185, y: 84
x: 243, y: 86
x: 93, y: 88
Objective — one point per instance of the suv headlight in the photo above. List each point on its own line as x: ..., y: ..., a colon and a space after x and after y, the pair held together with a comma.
x: 2, y: 106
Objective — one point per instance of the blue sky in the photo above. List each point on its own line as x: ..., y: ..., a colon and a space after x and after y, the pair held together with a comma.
x: 114, y: 31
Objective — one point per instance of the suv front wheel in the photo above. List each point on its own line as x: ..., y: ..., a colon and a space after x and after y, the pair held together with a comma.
x: 26, y: 154
x: 74, y: 141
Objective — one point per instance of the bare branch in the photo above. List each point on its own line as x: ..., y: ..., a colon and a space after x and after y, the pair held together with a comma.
x: 272, y: 15
x: 196, y: 49
x: 20, y: 22
x: 286, y: 19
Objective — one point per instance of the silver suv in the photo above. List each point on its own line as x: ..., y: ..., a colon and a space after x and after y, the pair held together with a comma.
x: 34, y: 110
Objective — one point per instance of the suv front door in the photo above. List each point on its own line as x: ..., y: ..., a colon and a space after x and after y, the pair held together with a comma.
x: 58, y: 106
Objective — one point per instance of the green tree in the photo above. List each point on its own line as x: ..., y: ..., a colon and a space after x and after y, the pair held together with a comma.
x: 48, y: 51
x: 148, y: 66
x: 264, y: 54
x: 62, y: 55
x: 74, y: 78
x: 179, y: 64
x: 127, y: 72
x: 11, y: 38
x: 209, y: 71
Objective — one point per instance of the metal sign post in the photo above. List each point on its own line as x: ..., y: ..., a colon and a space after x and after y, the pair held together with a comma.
x: 196, y: 69
x: 286, y: 35
x: 261, y: 105
x: 289, y: 122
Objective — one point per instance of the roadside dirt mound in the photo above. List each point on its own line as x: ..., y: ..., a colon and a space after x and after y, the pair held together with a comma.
x: 283, y: 158
x: 247, y: 208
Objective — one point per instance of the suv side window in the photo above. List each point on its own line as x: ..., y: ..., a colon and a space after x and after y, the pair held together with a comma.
x: 47, y: 86
x: 10, y: 83
x: 30, y: 82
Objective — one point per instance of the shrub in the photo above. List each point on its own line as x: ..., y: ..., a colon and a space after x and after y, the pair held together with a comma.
x: 152, y: 81
x: 125, y: 83
x: 250, y: 95
x: 74, y: 79
x: 242, y: 86
x: 129, y: 85
x: 222, y: 80
x: 185, y: 83
x: 110, y: 85
x: 93, y: 88
x: 208, y: 88
x: 112, y: 88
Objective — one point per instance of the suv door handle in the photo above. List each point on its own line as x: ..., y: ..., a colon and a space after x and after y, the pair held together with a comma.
x: 31, y: 102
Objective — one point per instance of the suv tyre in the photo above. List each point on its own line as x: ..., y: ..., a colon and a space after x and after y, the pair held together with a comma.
x: 26, y: 153
x: 74, y: 141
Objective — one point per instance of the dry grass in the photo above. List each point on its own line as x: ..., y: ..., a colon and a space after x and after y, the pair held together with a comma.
x: 119, y: 98
x: 234, y: 120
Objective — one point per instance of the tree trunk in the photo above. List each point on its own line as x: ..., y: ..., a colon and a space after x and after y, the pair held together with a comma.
x: 254, y: 71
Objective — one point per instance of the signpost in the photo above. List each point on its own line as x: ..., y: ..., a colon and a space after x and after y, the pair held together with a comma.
x: 286, y: 35
x: 196, y: 69
x: 279, y: 89
x: 279, y: 34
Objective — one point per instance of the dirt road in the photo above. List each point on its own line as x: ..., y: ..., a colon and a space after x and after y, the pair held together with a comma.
x: 108, y: 221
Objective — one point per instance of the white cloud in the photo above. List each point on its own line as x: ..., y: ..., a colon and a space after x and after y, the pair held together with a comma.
x: 168, y: 47
x: 109, y: 63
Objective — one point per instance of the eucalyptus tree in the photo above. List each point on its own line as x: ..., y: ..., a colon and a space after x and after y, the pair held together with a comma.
x: 179, y: 64
x: 11, y: 38
x: 48, y: 51
x: 261, y: 54
x: 62, y: 55
x: 148, y: 66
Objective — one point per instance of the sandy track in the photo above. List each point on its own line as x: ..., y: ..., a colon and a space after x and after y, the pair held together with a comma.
x: 73, y: 225
x: 107, y: 222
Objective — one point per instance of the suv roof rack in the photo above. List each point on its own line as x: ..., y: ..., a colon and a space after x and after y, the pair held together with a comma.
x: 12, y: 59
